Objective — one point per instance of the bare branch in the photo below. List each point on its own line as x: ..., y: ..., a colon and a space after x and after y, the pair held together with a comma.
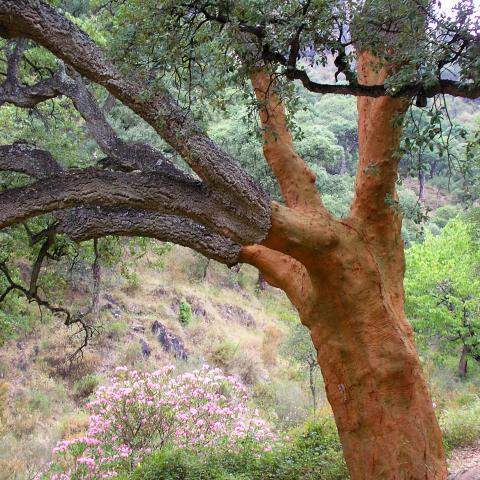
x: 24, y: 158
x: 154, y: 192
x: 86, y: 223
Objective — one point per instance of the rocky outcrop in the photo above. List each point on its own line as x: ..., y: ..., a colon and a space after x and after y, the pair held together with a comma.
x: 170, y: 342
x: 234, y: 313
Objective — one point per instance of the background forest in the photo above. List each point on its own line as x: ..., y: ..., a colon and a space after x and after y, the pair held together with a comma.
x: 160, y: 313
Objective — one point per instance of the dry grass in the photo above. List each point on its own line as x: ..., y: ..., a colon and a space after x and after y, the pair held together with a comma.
x: 41, y: 406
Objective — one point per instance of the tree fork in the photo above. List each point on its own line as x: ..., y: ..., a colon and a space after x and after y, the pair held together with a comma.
x: 345, y: 278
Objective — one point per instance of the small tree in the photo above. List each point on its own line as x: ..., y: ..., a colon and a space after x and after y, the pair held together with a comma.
x: 443, y: 289
x: 300, y: 347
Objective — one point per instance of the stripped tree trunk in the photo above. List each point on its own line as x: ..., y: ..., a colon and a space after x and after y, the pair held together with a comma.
x: 346, y: 279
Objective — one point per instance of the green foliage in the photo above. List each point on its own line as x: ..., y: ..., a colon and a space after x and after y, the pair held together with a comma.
x: 460, y: 426
x: 223, y: 353
x: 161, y: 250
x: 443, y: 287
x: 115, y: 330
x: 312, y: 453
x: 444, y: 214
x: 85, y: 386
x: 298, y: 345
x: 185, y: 312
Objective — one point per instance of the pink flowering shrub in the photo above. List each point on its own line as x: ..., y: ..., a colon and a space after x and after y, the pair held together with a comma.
x: 141, y: 412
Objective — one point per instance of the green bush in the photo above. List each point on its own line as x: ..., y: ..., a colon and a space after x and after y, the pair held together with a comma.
x: 39, y: 401
x: 313, y: 453
x: 116, y: 330
x: 85, y: 386
x: 460, y: 426
x: 223, y: 353
x: 185, y: 314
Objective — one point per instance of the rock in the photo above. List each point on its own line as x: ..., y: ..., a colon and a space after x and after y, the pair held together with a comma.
x: 146, y: 350
x: 169, y: 341
x: 236, y: 314
x: 138, y: 328
x: 466, y: 474
x: 198, y: 307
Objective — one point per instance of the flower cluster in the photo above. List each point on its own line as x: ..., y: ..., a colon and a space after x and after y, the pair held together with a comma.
x: 140, y: 412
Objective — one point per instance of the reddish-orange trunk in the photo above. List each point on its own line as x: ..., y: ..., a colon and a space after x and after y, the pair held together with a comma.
x: 371, y: 370
x: 353, y: 307
x: 345, y: 276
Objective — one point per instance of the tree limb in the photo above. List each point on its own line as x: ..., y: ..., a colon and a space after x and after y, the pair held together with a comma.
x: 153, y: 192
x: 86, y: 223
x: 296, y: 180
x: 42, y: 23
x: 94, y: 222
x: 379, y: 129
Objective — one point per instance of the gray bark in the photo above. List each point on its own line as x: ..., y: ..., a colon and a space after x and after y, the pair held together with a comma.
x: 86, y: 223
x: 42, y: 23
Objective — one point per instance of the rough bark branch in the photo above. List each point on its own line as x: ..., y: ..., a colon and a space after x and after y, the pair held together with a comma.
x: 23, y: 158
x: 153, y: 192
x: 40, y: 22
x: 86, y: 223
x: 125, y: 156
x: 122, y: 155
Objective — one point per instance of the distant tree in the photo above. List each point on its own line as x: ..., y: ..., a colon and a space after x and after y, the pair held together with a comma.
x: 442, y: 288
x: 298, y: 345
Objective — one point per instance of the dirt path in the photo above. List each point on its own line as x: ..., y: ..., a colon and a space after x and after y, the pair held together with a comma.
x: 465, y: 463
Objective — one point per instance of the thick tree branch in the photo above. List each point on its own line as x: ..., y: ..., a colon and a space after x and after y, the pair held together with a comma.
x: 121, y: 155
x: 23, y: 158
x: 296, y: 180
x: 86, y: 223
x: 379, y: 130
x: 280, y: 271
x: 40, y: 22
x: 152, y: 192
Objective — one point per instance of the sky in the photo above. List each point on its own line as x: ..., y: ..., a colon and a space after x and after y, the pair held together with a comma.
x: 447, y: 5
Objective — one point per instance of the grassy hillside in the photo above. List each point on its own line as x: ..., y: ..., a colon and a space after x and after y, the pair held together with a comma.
x: 222, y: 319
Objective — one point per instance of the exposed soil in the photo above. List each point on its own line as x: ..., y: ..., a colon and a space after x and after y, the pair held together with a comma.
x: 465, y: 463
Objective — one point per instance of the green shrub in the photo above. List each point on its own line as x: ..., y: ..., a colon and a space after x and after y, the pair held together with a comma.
x: 185, y: 314
x: 39, y: 401
x: 223, y: 353
x: 85, y: 386
x: 115, y: 330
x: 313, y: 453
x: 460, y: 426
